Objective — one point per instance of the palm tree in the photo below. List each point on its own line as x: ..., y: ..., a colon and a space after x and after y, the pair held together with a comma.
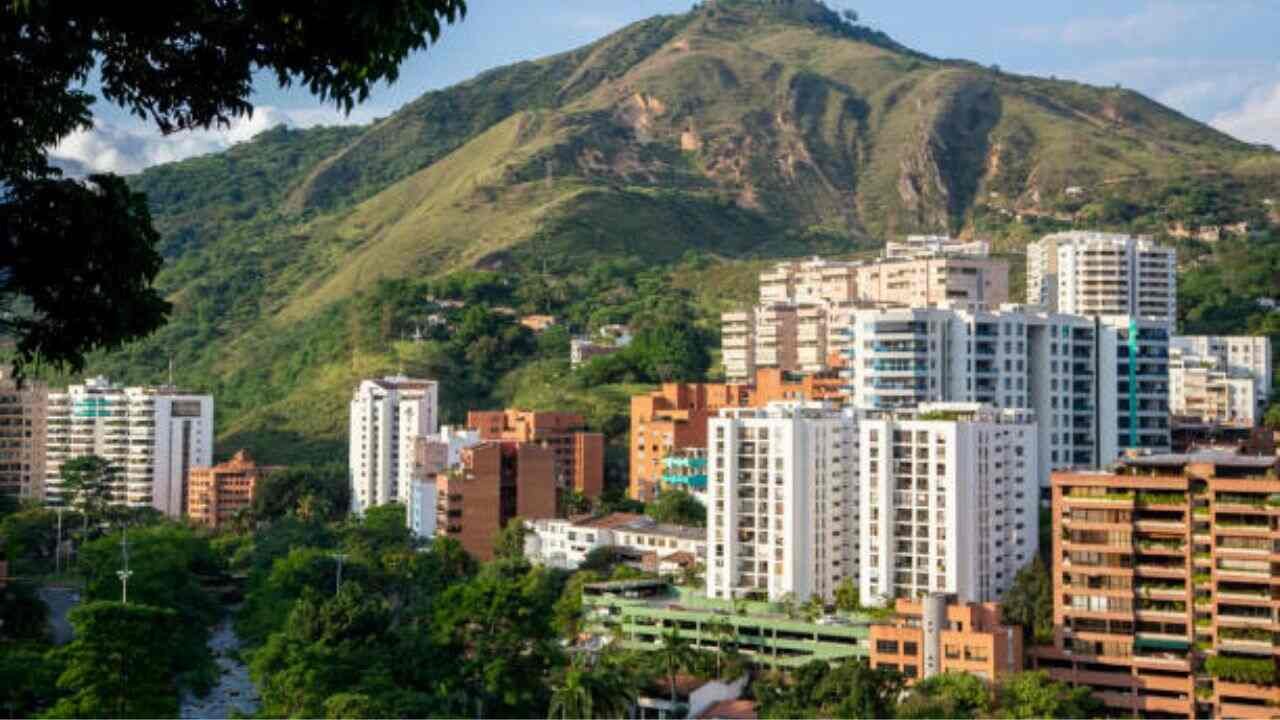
x: 675, y: 653
x: 602, y: 691
x: 721, y: 630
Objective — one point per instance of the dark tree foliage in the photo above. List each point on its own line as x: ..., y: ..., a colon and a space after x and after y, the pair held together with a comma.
x: 23, y: 615
x: 850, y: 689
x: 311, y: 492
x: 1029, y: 602
x: 120, y: 663
x: 77, y: 259
x: 679, y: 507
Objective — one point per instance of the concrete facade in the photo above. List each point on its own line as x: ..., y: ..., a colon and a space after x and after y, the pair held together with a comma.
x: 216, y: 494
x: 948, y: 498
x: 1093, y: 273
x: 936, y: 634
x: 23, y: 410
x: 388, y: 416
x: 495, y: 482
x: 152, y: 436
x: 579, y: 455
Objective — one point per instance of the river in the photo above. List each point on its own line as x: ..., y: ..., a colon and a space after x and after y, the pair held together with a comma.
x: 234, y: 690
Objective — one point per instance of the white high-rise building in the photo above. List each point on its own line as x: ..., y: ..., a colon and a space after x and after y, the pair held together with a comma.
x: 151, y: 435
x: 1220, y: 379
x: 1068, y: 368
x: 948, y: 496
x: 1093, y: 273
x: 388, y: 416
x: 782, y: 516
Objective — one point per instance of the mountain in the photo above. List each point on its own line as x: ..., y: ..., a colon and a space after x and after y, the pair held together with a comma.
x: 740, y: 130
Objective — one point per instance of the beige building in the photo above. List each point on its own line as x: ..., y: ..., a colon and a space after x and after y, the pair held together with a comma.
x: 922, y: 246
x: 804, y: 307
x: 971, y: 282
x: 23, y: 411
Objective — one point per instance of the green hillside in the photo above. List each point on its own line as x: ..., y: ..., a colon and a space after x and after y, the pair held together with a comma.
x: 659, y: 164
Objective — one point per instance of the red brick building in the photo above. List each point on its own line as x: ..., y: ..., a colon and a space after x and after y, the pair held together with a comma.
x: 579, y: 455
x: 495, y: 482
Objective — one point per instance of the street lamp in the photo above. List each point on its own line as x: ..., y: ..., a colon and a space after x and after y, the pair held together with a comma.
x: 126, y: 572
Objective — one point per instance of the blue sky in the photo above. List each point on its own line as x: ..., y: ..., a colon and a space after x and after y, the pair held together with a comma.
x: 1215, y: 61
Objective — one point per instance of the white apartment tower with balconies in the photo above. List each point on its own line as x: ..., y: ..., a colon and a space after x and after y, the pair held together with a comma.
x: 782, y: 496
x: 1095, y: 274
x: 388, y: 416
x: 1068, y: 368
x: 152, y: 436
x: 948, y: 499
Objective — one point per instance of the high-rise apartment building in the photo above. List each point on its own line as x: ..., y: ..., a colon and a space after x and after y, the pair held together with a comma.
x: 22, y: 437
x: 152, y: 436
x: 579, y: 454
x: 782, y: 513
x: 1093, y: 273
x: 216, y: 494
x: 388, y: 415
x: 1098, y: 385
x: 948, y: 497
x: 797, y: 324
x: 1220, y: 379
x: 493, y: 483
x: 1164, y: 585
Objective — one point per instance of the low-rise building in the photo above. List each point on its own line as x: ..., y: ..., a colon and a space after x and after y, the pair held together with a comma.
x: 493, y: 483
x: 565, y: 543
x: 1164, y: 585
x: 936, y: 634
x: 538, y: 323
x: 926, y: 246
x: 688, y: 696
x: 216, y: 494
x: 769, y: 635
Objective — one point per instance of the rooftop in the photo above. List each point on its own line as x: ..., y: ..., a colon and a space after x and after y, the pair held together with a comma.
x: 1209, y: 457
x: 730, y: 710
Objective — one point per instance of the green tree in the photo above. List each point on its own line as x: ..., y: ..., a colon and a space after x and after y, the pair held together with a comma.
x: 120, y: 663
x: 87, y: 482
x: 950, y: 695
x: 508, y: 543
x: 584, y: 690
x: 23, y: 615
x: 81, y: 258
x: 28, y: 679
x: 497, y: 630
x: 674, y: 653
x: 679, y: 507
x: 1035, y: 695
x: 312, y: 492
x: 848, y: 598
x: 1029, y: 602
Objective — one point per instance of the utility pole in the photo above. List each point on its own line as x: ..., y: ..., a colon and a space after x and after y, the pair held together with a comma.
x: 126, y: 572
x: 337, y: 585
x: 57, y: 550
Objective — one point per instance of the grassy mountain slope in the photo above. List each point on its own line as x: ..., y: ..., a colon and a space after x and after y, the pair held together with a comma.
x: 739, y: 131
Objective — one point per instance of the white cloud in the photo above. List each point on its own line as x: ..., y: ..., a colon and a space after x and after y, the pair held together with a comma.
x: 110, y: 147
x: 1257, y: 119
x: 1157, y: 23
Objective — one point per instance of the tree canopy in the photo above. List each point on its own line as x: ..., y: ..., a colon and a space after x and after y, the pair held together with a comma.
x: 80, y: 257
